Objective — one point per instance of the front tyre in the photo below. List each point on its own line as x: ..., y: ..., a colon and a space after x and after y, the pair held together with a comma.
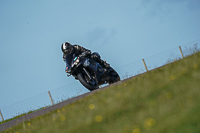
x: 83, y: 78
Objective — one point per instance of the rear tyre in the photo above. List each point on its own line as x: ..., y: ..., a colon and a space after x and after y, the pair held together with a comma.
x: 114, y: 76
x: 83, y: 78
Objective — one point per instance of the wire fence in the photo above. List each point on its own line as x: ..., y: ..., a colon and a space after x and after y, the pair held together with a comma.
x: 23, y: 107
x: 69, y: 91
x: 131, y: 69
x: 163, y: 58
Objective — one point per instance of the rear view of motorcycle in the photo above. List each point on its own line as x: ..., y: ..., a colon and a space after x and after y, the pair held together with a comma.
x: 90, y: 73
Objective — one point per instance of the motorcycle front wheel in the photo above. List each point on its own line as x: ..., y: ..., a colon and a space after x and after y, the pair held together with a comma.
x: 90, y: 85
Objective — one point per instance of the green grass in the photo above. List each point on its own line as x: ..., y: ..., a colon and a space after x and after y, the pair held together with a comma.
x: 23, y: 114
x: 165, y: 100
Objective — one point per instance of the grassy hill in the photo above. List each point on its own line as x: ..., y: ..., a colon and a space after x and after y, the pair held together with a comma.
x: 165, y: 100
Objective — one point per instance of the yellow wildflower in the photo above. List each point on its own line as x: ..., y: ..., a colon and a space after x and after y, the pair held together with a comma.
x: 91, y: 106
x: 62, y: 118
x: 149, y: 122
x: 98, y: 118
x: 137, y: 130
x: 63, y: 109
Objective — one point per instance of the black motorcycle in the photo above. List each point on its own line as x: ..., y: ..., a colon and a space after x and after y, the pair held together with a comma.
x: 90, y: 73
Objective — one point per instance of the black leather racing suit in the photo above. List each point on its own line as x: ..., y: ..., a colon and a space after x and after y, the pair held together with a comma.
x: 81, y: 51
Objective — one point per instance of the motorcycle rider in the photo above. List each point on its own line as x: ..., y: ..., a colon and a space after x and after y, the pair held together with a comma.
x: 67, y: 48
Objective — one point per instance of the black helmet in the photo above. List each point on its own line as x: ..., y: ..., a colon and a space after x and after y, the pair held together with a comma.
x: 66, y: 48
x: 95, y: 56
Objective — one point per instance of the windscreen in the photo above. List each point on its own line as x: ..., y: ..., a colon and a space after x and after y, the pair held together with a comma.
x: 69, y: 59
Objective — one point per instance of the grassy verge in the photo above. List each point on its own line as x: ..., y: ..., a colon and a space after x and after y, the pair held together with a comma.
x: 18, y: 116
x: 165, y: 100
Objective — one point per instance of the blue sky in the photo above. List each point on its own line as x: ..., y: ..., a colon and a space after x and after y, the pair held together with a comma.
x: 31, y: 34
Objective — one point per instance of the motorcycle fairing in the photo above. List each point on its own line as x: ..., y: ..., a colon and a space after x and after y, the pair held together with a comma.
x: 94, y: 66
x: 69, y: 60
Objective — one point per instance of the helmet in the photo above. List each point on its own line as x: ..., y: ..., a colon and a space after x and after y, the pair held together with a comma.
x: 66, y: 48
x: 95, y: 56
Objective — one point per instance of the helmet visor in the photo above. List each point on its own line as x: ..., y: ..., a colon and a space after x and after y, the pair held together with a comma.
x: 68, y: 50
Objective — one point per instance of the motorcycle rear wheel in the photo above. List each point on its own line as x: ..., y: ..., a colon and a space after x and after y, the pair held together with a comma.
x: 82, y: 79
x: 114, y: 76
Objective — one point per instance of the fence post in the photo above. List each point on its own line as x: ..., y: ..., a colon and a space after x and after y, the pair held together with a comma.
x: 181, y: 51
x: 1, y: 116
x: 50, y: 97
x: 145, y: 65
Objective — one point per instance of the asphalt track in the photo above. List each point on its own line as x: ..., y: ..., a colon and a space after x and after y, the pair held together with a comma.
x: 27, y: 117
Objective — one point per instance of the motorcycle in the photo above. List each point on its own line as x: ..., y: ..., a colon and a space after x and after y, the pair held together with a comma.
x: 90, y: 73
